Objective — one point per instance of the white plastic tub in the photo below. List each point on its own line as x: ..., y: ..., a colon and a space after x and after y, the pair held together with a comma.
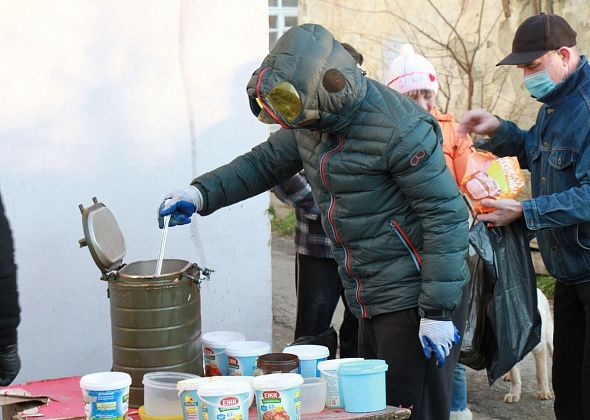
x: 105, y: 394
x: 309, y: 357
x: 242, y: 356
x: 214, y: 357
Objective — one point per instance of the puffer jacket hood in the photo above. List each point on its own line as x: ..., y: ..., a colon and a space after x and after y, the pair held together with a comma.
x: 375, y: 164
x: 325, y: 75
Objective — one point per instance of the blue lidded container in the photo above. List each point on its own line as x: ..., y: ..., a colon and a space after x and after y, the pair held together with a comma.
x: 362, y: 385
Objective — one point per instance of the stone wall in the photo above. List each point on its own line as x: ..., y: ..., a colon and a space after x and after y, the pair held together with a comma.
x: 464, y: 39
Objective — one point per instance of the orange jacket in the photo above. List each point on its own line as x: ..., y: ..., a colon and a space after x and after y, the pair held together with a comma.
x: 457, y: 148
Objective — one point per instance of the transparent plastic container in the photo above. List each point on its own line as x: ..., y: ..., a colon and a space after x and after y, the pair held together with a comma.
x: 313, y: 395
x: 160, y: 396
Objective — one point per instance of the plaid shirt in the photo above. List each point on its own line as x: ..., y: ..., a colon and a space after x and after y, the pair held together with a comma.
x: 310, y: 238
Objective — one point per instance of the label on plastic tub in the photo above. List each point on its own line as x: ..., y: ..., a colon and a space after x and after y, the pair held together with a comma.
x: 241, y: 366
x: 215, y: 361
x: 279, y: 405
x: 110, y: 404
x: 190, y: 404
x: 334, y: 397
x: 232, y: 407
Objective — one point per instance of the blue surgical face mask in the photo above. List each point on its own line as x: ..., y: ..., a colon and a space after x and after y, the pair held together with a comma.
x: 540, y: 83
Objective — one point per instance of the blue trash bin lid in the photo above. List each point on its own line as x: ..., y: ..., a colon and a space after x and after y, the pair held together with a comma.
x: 363, y: 367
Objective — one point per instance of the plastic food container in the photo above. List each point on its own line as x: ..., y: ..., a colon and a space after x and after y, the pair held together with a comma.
x: 106, y: 394
x: 329, y: 371
x: 214, y: 357
x: 224, y: 400
x: 242, y: 356
x: 276, y: 363
x: 188, y: 388
x: 363, y: 385
x: 309, y: 357
x: 189, y: 399
x: 278, y: 395
x: 160, y: 395
x: 313, y: 395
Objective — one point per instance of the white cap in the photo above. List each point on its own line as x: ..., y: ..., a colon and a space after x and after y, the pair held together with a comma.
x: 411, y: 71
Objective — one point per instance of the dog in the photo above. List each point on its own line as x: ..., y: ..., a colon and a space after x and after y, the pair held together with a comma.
x: 540, y: 352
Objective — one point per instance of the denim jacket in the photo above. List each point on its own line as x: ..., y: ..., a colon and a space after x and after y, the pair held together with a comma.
x: 556, y: 151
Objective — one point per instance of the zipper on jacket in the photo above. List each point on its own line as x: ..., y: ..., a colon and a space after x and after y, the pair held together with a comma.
x: 331, y: 209
x: 407, y: 244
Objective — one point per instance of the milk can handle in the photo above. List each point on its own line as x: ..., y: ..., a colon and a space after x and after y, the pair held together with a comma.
x: 205, y: 274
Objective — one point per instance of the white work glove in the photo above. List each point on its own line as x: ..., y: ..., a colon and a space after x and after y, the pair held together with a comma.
x: 180, y: 205
x: 437, y: 337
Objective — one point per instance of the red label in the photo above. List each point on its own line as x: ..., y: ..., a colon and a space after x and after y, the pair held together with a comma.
x: 229, y: 401
x: 232, y: 361
x: 270, y: 395
x: 208, y: 351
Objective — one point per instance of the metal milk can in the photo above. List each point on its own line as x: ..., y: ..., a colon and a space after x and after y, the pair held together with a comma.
x: 155, y: 321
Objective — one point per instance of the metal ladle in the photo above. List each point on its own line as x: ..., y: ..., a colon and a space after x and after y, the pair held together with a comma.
x: 162, y: 246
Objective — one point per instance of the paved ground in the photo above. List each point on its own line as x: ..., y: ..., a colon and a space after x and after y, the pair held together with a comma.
x: 485, y: 402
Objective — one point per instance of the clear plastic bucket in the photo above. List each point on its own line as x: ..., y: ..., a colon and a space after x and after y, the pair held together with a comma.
x: 329, y: 371
x: 160, y: 395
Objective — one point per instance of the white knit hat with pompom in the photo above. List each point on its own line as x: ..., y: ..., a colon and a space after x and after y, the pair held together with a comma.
x: 411, y: 71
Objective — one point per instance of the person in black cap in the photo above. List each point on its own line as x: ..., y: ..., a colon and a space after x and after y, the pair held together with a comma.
x: 556, y: 151
x: 9, y: 309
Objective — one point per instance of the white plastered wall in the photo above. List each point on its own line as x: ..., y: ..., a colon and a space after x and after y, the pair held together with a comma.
x: 126, y: 101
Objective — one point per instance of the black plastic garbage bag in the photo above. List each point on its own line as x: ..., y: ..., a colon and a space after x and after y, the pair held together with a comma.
x: 508, y: 295
x: 328, y: 339
x: 472, y: 347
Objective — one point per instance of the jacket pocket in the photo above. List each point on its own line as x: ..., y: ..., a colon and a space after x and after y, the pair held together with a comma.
x: 561, y: 174
x: 561, y: 159
x: 582, y: 232
x: 407, y: 243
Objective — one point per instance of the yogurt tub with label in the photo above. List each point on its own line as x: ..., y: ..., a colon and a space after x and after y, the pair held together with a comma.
x: 224, y: 400
x: 309, y: 356
x: 188, y: 388
x: 242, y: 356
x: 106, y: 395
x: 278, y: 395
x: 214, y: 357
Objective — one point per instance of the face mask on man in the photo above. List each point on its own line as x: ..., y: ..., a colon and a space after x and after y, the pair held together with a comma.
x: 540, y: 84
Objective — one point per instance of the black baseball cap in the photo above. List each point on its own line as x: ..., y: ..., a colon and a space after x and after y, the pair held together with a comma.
x: 537, y: 35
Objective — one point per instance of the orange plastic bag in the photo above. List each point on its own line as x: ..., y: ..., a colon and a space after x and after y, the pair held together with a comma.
x: 488, y: 176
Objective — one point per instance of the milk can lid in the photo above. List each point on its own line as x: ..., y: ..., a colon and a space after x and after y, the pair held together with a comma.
x: 102, y: 236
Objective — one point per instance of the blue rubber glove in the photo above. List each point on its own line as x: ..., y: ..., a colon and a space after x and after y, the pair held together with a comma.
x: 437, y: 337
x: 180, y: 205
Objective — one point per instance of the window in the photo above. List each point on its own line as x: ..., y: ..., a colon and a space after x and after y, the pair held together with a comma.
x: 282, y: 16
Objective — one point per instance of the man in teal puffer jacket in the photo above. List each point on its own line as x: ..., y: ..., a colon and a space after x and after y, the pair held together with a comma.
x: 393, y: 212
